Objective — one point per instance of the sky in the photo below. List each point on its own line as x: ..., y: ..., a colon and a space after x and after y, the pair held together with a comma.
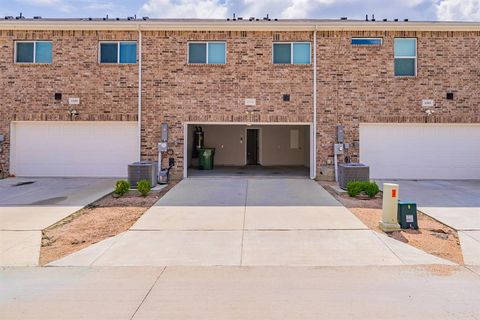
x: 420, y: 10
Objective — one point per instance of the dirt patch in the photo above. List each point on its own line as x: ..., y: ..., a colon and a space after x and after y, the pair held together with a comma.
x: 100, y: 220
x: 432, y: 236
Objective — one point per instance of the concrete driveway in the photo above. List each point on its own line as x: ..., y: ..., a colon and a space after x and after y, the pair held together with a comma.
x: 29, y: 205
x: 455, y: 203
x: 248, y: 222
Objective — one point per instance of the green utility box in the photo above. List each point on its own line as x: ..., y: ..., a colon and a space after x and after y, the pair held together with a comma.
x: 206, y: 158
x: 407, y: 215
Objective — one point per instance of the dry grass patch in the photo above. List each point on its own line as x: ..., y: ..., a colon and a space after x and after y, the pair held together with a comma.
x: 100, y: 220
x: 432, y: 236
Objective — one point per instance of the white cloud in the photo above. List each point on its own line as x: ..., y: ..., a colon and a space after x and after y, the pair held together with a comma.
x: 458, y: 10
x: 185, y: 9
x: 60, y: 5
x: 99, y: 5
x: 328, y: 9
x: 301, y: 9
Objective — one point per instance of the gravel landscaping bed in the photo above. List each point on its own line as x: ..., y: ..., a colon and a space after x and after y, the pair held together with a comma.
x: 100, y: 220
x: 432, y: 236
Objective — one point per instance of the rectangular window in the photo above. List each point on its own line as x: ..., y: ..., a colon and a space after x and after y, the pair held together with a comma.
x: 367, y: 41
x: 291, y: 53
x: 405, y: 53
x: 118, y: 52
x: 33, y: 52
x: 207, y: 53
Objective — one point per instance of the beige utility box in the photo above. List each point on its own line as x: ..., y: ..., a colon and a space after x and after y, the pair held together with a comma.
x: 390, y: 208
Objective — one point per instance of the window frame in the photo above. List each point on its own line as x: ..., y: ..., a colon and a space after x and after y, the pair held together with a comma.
x: 415, y: 58
x: 291, y: 53
x: 118, y: 42
x: 366, y: 38
x: 206, y: 53
x: 34, y: 52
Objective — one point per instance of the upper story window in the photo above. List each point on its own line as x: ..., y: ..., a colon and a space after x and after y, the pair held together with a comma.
x: 291, y: 53
x: 367, y: 41
x: 124, y: 52
x: 405, y: 52
x: 33, y: 52
x: 207, y: 53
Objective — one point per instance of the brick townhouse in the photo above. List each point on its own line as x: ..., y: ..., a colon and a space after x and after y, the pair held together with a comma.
x: 85, y: 97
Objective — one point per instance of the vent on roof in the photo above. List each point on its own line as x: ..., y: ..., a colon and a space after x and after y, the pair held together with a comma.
x: 145, y: 18
x: 8, y: 17
x: 37, y: 17
x: 343, y: 18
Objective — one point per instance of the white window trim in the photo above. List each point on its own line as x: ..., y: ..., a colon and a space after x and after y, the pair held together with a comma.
x: 367, y: 38
x: 291, y: 52
x: 118, y: 52
x: 34, y: 51
x: 405, y: 57
x: 206, y: 52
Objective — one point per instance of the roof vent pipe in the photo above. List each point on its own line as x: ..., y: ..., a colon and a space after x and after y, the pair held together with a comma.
x: 373, y: 17
x: 366, y: 17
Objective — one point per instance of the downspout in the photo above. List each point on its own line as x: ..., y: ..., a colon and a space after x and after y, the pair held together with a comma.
x: 314, y: 133
x: 139, y: 133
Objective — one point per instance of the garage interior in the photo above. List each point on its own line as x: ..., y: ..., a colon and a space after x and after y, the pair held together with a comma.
x: 278, y: 150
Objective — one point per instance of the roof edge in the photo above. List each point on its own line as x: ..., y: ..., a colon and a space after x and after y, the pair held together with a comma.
x: 224, y: 25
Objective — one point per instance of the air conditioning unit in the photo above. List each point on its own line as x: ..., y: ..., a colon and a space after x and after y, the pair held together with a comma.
x: 352, y: 172
x: 142, y: 170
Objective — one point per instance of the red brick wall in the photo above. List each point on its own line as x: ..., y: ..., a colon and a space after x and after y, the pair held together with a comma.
x: 107, y: 92
x: 175, y: 92
x: 355, y: 83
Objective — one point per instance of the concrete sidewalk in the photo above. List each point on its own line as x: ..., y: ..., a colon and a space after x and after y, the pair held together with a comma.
x: 211, y: 293
x: 29, y: 205
x: 248, y: 222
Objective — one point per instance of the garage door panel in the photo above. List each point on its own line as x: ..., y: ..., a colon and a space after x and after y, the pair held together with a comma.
x: 76, y: 149
x: 421, y: 151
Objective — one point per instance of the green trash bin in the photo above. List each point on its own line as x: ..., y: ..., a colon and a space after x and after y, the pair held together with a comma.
x: 206, y: 158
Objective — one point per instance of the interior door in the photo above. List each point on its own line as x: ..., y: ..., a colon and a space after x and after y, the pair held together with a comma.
x: 252, y: 146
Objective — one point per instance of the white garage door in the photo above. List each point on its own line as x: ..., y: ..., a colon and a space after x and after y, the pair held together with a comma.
x: 421, y: 151
x: 73, y: 149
